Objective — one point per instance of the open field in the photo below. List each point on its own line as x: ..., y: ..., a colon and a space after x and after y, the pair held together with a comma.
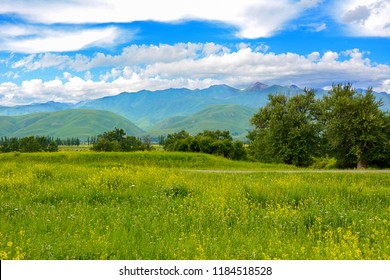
x: 157, y: 205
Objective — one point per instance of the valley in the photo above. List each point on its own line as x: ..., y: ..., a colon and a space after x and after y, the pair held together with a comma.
x: 151, y: 113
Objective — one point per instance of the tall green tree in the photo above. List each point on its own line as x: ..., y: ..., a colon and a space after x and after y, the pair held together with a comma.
x: 287, y: 130
x: 117, y: 141
x: 177, y: 141
x: 355, y: 126
x: 346, y: 124
x: 130, y: 144
x: 29, y: 145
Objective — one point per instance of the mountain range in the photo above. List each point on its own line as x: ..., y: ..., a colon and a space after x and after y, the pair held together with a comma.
x: 149, y: 112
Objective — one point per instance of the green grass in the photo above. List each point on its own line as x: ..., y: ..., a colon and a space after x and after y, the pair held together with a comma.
x: 148, y: 159
x: 147, y: 205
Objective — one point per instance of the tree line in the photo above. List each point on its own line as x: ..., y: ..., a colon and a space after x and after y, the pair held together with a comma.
x: 28, y: 144
x: 210, y: 142
x: 39, y: 143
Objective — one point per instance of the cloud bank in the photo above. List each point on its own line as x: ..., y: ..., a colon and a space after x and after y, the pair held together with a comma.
x: 188, y: 65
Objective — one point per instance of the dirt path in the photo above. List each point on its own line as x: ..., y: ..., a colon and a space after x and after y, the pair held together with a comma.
x: 285, y: 171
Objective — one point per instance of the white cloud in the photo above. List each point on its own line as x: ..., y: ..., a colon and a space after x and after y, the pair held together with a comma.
x: 365, y: 17
x: 55, y: 39
x: 115, y: 73
x: 314, y: 56
x: 316, y: 27
x: 254, y: 18
x: 41, y: 61
x: 385, y: 86
x: 357, y: 15
x: 131, y: 55
x: 67, y: 75
x: 9, y: 74
x: 88, y: 75
x: 196, y: 66
x: 329, y: 57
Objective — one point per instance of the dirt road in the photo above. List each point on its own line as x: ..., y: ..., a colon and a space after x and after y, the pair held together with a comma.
x: 288, y: 171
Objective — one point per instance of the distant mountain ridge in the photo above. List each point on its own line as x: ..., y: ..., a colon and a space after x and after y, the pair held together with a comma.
x: 257, y: 86
x: 164, y: 111
x: 20, y: 110
x: 146, y: 108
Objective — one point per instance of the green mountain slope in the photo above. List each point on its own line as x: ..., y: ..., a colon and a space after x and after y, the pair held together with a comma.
x: 235, y: 118
x: 68, y: 123
x: 146, y: 108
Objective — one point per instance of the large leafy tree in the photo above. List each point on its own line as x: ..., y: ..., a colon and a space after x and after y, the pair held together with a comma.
x: 287, y: 130
x: 177, y: 141
x: 29, y: 145
x: 117, y: 141
x: 355, y: 126
x: 346, y: 124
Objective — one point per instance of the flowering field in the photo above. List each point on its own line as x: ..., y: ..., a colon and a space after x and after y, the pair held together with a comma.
x: 156, y: 205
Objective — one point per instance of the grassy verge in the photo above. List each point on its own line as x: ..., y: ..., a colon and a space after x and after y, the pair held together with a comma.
x: 154, y: 158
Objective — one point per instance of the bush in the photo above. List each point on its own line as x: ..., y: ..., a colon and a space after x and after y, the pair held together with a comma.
x: 324, y: 163
x: 208, y: 142
x: 117, y: 141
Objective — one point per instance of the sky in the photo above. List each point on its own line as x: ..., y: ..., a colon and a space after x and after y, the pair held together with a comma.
x: 74, y: 50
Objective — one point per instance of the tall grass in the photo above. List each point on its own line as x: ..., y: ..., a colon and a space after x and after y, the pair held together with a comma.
x: 153, y: 158
x: 146, y: 206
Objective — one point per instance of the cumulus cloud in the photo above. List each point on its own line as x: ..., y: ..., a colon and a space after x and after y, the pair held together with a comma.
x: 41, y: 61
x: 365, y: 17
x: 195, y: 66
x: 131, y: 55
x: 76, y: 88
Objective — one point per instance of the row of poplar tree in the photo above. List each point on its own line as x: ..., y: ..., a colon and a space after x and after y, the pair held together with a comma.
x: 35, y: 143
x: 28, y: 144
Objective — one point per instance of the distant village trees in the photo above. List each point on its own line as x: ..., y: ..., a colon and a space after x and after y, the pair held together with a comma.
x: 28, y: 144
x: 117, y: 141
x: 70, y: 141
x: 209, y: 142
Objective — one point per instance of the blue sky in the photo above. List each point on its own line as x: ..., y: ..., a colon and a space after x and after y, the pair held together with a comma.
x: 73, y: 50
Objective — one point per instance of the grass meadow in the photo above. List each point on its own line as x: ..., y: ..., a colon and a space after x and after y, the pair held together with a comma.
x: 157, y: 205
